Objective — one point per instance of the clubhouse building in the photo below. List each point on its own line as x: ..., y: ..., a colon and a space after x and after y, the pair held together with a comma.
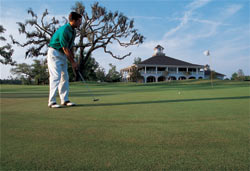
x: 162, y: 68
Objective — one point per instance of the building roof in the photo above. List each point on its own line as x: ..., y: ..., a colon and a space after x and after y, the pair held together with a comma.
x: 166, y: 60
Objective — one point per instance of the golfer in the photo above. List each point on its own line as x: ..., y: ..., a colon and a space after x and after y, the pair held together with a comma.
x: 61, y: 49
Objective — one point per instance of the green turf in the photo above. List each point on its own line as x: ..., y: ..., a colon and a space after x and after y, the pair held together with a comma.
x: 132, y: 127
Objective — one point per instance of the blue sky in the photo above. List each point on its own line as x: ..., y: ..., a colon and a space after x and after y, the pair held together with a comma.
x: 185, y: 28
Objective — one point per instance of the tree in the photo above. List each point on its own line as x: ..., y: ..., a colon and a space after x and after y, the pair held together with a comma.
x: 241, y: 75
x: 6, y: 51
x: 99, y: 30
x: 135, y: 75
x: 24, y: 72
x: 100, y: 74
x: 137, y: 60
x: 88, y: 71
x: 37, y: 72
x: 234, y: 76
x: 38, y: 34
x: 113, y: 75
x: 247, y: 78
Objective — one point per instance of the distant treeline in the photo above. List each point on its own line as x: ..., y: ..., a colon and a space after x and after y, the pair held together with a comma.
x: 10, y: 81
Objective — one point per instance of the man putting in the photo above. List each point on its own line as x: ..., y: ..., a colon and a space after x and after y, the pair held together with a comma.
x: 61, y: 49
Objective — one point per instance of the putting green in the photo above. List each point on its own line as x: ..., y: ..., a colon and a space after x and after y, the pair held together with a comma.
x: 182, y: 125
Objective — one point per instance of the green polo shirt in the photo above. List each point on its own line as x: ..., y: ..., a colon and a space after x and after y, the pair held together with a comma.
x: 63, y: 37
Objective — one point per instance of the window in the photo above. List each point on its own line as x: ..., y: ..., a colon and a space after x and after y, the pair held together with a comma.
x: 172, y: 69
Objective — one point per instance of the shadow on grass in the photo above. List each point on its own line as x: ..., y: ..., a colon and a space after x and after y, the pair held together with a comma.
x: 162, y: 101
x: 46, y: 95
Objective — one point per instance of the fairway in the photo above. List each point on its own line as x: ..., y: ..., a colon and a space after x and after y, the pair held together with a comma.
x: 182, y: 125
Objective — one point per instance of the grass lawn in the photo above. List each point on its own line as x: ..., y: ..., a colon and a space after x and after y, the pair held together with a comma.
x: 182, y: 125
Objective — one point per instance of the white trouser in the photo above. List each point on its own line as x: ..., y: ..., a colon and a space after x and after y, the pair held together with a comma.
x: 58, y: 75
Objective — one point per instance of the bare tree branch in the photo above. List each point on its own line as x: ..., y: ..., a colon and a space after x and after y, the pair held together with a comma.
x: 100, y: 28
x: 38, y: 36
x: 6, y: 51
x: 115, y: 56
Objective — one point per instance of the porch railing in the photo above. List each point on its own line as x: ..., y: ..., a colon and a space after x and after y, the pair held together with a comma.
x: 172, y: 72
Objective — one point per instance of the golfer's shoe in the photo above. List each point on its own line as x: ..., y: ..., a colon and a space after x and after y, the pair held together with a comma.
x: 54, y: 105
x: 68, y: 103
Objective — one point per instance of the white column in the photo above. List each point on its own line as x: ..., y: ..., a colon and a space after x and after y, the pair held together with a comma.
x: 168, y: 73
x: 177, y: 71
x: 145, y: 71
x: 156, y: 69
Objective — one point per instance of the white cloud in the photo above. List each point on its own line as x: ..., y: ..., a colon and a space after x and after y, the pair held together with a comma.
x: 197, y: 4
x: 232, y: 9
x: 146, y: 17
x: 183, y: 22
x: 187, y: 16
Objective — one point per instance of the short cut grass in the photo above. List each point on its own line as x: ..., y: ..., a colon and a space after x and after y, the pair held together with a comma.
x: 133, y: 127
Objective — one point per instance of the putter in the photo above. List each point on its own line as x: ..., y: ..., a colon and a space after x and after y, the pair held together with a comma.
x: 94, y: 99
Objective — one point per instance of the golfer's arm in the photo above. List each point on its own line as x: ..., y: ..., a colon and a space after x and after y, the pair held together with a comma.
x: 69, y: 54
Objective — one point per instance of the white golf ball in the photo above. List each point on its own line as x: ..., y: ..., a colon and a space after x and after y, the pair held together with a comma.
x: 179, y: 92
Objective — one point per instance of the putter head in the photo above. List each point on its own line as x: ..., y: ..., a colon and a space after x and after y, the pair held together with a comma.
x: 95, y: 100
